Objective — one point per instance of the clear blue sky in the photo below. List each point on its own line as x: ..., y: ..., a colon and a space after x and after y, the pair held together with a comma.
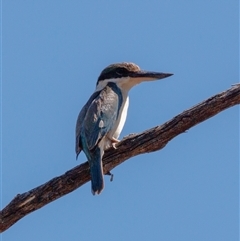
x: 52, y: 54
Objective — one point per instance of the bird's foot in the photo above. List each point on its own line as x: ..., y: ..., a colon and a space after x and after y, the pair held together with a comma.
x: 114, y: 141
x: 110, y: 174
x: 114, y: 145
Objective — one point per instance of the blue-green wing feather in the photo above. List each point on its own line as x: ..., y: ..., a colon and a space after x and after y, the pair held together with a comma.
x: 101, y: 116
x: 80, y: 121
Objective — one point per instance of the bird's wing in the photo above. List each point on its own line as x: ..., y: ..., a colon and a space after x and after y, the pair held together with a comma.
x: 80, y: 119
x: 101, y: 115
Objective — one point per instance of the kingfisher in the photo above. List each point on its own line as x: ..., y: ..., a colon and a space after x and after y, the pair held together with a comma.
x: 102, y: 118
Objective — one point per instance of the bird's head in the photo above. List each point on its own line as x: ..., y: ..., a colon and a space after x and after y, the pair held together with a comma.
x: 126, y: 75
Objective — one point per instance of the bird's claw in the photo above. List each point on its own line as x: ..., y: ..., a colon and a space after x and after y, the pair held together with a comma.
x: 110, y: 174
x: 114, y: 141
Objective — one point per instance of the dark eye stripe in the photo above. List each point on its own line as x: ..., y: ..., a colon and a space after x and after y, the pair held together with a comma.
x: 114, y: 73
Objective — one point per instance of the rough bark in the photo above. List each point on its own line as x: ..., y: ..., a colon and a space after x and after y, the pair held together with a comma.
x: 148, y: 141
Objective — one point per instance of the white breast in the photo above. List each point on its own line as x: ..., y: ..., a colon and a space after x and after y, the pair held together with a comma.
x: 118, y: 126
x: 121, y: 118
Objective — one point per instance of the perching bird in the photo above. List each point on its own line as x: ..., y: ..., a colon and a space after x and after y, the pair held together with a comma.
x: 102, y: 118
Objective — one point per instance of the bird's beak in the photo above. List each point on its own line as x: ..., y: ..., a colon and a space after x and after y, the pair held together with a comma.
x: 141, y: 76
x: 149, y: 75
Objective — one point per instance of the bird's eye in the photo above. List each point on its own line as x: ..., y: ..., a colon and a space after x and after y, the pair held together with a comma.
x: 121, y: 71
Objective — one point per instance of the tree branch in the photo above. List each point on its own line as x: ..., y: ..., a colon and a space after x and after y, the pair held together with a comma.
x: 148, y: 141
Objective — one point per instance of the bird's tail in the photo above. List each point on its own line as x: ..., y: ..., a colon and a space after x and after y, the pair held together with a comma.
x: 96, y: 171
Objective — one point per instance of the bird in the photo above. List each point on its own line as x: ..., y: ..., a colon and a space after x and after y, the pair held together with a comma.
x: 102, y: 118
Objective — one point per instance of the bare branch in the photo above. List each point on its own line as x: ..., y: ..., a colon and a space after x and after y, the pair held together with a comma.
x: 148, y: 141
